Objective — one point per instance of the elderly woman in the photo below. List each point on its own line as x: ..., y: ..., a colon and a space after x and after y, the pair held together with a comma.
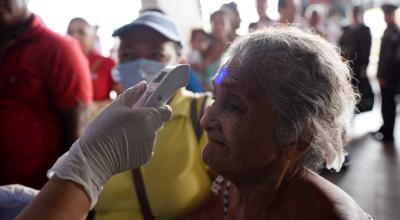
x: 281, y: 99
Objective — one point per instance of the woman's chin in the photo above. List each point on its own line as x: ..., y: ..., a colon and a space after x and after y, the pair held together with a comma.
x: 215, y: 155
x: 207, y: 154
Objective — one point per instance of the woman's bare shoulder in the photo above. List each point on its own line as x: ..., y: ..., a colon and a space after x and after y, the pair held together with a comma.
x: 316, y: 198
x: 329, y: 201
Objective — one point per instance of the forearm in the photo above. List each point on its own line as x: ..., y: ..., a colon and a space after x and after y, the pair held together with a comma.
x: 367, y: 48
x: 382, y: 63
x: 59, y: 199
x: 364, y: 56
x: 73, y: 121
x: 384, y: 59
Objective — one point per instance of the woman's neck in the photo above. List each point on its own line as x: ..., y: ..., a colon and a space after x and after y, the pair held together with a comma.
x: 259, y: 197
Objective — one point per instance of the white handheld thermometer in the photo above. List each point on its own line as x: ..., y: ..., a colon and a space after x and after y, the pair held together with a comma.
x: 164, y: 85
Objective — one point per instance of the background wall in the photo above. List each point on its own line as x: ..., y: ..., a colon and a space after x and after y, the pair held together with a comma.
x: 109, y: 15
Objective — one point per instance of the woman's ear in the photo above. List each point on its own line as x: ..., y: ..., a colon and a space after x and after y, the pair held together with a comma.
x: 295, y: 150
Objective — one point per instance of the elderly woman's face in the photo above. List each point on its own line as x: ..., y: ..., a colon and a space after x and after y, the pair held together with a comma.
x: 240, y: 130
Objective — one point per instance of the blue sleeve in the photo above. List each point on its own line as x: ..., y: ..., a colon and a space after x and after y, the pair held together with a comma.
x: 194, y: 84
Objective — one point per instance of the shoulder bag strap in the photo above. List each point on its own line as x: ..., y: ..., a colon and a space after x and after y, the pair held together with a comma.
x: 196, y: 117
x: 137, y: 175
x: 141, y: 195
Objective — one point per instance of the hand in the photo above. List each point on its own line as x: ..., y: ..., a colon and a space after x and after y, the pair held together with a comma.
x: 119, y: 139
x: 14, y: 198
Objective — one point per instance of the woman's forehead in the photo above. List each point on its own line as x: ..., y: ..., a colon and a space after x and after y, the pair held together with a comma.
x: 233, y: 70
x: 232, y: 80
x: 235, y: 82
x: 220, y: 75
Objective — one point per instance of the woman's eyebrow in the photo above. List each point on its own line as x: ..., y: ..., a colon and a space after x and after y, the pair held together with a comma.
x: 235, y: 88
x: 128, y: 46
x: 232, y: 87
x: 155, y: 47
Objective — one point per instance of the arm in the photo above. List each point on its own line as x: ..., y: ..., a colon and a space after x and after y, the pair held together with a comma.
x: 384, y: 56
x: 70, y: 89
x: 120, y: 138
x: 366, y: 48
x: 59, y: 199
x: 72, y: 121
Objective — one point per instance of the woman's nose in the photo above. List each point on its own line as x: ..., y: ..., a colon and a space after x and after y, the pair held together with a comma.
x: 208, y: 121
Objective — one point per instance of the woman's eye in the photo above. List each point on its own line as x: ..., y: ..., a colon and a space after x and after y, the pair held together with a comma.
x: 157, y: 56
x: 234, y: 105
x: 231, y: 107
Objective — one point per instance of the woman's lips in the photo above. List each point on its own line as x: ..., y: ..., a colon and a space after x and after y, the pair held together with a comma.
x: 217, y: 141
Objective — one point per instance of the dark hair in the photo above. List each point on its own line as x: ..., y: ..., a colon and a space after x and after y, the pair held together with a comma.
x: 198, y: 31
x: 357, y: 10
x: 389, y: 8
x: 232, y: 6
x: 153, y: 10
x: 78, y: 19
x: 282, y: 4
x: 216, y: 13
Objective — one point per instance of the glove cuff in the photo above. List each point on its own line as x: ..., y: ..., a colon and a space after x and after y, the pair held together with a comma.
x: 73, y: 166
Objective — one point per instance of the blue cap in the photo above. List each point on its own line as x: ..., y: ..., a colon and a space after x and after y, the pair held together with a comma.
x: 156, y: 21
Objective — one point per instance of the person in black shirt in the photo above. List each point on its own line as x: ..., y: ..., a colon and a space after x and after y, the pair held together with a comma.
x: 389, y: 73
x: 356, y: 45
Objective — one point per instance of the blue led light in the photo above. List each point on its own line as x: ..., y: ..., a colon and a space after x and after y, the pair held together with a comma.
x: 221, y: 75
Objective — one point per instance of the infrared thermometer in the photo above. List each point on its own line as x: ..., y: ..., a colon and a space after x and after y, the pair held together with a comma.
x: 164, y: 85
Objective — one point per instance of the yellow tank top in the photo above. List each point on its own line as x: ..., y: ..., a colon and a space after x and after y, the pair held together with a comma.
x: 175, y: 179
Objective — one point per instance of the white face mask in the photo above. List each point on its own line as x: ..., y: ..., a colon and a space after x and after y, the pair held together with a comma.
x: 129, y: 74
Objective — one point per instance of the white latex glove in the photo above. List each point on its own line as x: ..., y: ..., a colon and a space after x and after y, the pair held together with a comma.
x: 119, y: 139
x: 14, y: 198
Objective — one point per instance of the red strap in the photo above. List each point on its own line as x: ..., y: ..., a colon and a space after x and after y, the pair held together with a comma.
x: 96, y: 65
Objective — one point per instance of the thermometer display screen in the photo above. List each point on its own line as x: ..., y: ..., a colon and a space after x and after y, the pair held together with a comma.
x: 160, y: 76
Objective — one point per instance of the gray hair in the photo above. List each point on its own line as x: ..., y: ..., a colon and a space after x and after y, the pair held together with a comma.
x: 307, y: 82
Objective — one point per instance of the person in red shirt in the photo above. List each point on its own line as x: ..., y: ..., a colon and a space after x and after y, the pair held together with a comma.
x: 100, y: 66
x: 45, y: 92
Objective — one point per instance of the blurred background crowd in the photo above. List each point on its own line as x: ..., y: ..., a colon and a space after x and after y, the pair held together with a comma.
x: 206, y: 27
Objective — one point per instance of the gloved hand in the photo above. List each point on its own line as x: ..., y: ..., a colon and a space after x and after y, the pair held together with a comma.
x: 14, y: 198
x: 119, y: 139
